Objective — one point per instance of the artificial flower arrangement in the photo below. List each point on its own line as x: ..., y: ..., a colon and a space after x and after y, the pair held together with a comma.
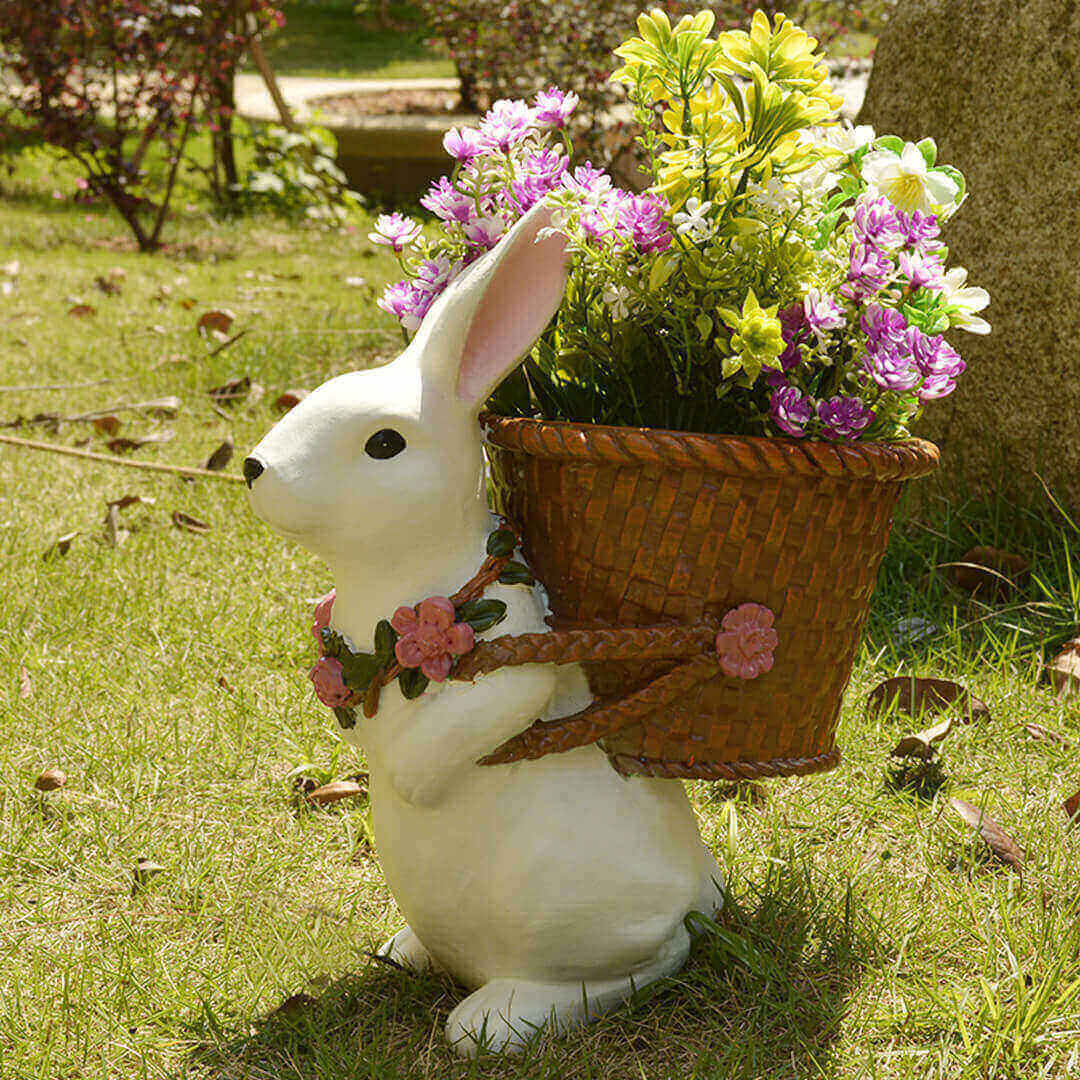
x: 781, y: 275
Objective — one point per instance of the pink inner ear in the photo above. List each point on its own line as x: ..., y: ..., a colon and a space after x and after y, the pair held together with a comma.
x: 526, y: 291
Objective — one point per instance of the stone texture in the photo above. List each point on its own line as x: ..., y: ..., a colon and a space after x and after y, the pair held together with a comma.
x: 997, y: 84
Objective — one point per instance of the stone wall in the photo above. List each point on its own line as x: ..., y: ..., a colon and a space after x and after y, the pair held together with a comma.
x: 997, y: 84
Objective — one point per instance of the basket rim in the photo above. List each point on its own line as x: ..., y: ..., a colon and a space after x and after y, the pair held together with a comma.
x: 737, y: 455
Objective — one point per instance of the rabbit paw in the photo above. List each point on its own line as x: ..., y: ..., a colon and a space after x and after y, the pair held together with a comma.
x: 404, y: 948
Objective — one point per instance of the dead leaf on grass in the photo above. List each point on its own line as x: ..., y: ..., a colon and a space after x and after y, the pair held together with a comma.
x: 221, y: 456
x: 1064, y: 670
x: 923, y: 743
x: 82, y: 311
x: 289, y: 399
x: 297, y: 1003
x: 106, y: 425
x: 229, y: 393
x: 926, y: 696
x: 224, y: 684
x: 164, y: 408
x: 125, y: 501
x: 26, y: 687
x: 126, y: 443
x: 145, y: 869
x: 215, y: 322
x: 188, y: 523
x: 988, y: 572
x: 188, y: 303
x: 61, y: 545
x: 335, y: 792
x: 1071, y: 805
x: 50, y: 780
x: 109, y: 286
x: 993, y: 835
x: 1042, y: 734
x: 115, y: 533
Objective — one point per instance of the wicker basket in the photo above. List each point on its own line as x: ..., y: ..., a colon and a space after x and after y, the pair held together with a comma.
x: 634, y: 527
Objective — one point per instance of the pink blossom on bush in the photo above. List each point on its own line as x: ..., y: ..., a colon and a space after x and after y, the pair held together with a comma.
x: 746, y: 641
x: 321, y: 617
x: 328, y: 677
x: 430, y: 639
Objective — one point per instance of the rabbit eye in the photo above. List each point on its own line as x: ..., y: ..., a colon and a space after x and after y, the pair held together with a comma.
x: 384, y: 444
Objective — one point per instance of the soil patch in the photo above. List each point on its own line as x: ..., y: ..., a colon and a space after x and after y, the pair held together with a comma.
x: 392, y: 103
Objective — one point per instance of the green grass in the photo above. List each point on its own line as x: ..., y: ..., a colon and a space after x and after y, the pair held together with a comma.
x: 868, y: 933
x: 327, y: 39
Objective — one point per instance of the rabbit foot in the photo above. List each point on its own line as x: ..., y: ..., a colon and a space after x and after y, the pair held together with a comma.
x: 504, y: 1015
x: 405, y: 949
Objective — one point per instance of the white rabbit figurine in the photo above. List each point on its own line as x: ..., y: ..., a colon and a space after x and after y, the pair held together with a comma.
x: 551, y: 888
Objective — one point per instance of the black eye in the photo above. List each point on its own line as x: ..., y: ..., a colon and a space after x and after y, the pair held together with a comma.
x: 384, y: 444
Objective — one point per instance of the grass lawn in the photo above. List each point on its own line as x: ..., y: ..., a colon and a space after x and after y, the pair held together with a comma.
x: 327, y: 39
x: 869, y: 933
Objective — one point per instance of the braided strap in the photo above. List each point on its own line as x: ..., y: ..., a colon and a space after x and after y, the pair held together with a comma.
x: 664, y: 642
x: 627, y: 765
x: 730, y: 455
x: 603, y: 718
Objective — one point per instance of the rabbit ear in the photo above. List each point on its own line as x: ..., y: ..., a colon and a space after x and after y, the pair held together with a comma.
x: 520, y: 288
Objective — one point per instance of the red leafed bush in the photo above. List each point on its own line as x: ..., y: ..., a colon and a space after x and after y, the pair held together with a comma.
x: 103, y: 80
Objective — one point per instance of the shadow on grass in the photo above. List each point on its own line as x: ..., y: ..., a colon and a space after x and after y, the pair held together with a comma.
x: 763, y: 994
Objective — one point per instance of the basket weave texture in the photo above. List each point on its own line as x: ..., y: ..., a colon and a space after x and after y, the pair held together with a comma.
x: 631, y: 527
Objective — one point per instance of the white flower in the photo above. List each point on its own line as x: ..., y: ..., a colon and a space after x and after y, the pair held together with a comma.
x: 616, y: 297
x: 906, y: 181
x: 848, y: 139
x: 816, y: 182
x: 693, y: 222
x: 963, y: 301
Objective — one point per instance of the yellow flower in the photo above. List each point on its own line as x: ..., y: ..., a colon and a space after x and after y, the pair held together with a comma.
x: 757, y: 337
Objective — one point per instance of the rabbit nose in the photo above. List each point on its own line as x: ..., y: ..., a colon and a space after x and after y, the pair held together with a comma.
x: 253, y: 469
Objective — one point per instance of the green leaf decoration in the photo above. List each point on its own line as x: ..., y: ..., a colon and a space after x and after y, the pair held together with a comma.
x: 333, y: 644
x: 515, y: 573
x: 345, y: 717
x: 481, y: 614
x: 413, y: 682
x: 501, y: 543
x: 385, y: 640
x: 890, y: 142
x: 359, y: 669
x: 928, y: 149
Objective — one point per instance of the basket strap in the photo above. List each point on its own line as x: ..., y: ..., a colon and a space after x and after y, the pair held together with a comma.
x: 663, y: 642
x: 603, y: 718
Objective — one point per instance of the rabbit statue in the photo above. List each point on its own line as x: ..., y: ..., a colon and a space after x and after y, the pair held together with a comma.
x: 553, y: 888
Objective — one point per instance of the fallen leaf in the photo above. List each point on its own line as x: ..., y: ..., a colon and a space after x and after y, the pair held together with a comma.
x: 164, y: 408
x: 60, y: 545
x: 26, y: 687
x: 157, y: 328
x: 917, y: 696
x: 292, y: 1005
x: 923, y: 743
x: 224, y: 683
x: 1072, y: 804
x: 189, y: 523
x: 188, y: 303
x: 290, y: 399
x: 106, y: 425
x: 115, y: 534
x: 988, y: 572
x: 130, y: 500
x: 221, y: 456
x: 229, y: 393
x: 50, y: 780
x: 1064, y: 670
x: 993, y: 835
x: 145, y: 869
x: 335, y: 791
x: 1041, y: 734
x: 82, y: 311
x: 107, y: 285
x: 125, y: 443
x: 218, y: 321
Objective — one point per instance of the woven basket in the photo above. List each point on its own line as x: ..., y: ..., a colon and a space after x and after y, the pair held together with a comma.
x: 634, y: 527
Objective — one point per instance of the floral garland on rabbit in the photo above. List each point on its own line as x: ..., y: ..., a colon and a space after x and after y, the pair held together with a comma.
x: 424, y: 643
x: 417, y: 645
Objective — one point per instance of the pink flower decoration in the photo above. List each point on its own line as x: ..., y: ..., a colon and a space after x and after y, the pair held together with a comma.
x: 746, y: 641
x: 430, y: 639
x: 322, y: 616
x: 329, y: 679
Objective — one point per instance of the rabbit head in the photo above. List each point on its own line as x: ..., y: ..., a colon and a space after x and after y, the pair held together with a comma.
x: 373, y: 462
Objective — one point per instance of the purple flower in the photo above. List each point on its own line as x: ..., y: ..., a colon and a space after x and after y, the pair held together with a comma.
x: 433, y: 275
x: 642, y: 216
x: 485, y: 232
x: 554, y: 106
x: 843, y: 418
x: 794, y: 331
x: 883, y: 324
x: 876, y: 223
x: 505, y: 124
x: 822, y: 313
x: 329, y: 679
x: 791, y: 410
x: 939, y: 363
x: 446, y: 202
x: 394, y: 230
x: 587, y: 180
x: 430, y: 639
x: 463, y: 144
x: 406, y: 303
x: 920, y: 230
x: 922, y: 270
x: 543, y: 172
x: 868, y: 271
x: 891, y: 368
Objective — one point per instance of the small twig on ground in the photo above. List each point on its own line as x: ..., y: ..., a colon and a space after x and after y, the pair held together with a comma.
x: 149, y: 466
x: 225, y: 344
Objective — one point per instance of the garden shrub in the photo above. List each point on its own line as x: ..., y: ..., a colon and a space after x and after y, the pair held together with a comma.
x: 104, y: 80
